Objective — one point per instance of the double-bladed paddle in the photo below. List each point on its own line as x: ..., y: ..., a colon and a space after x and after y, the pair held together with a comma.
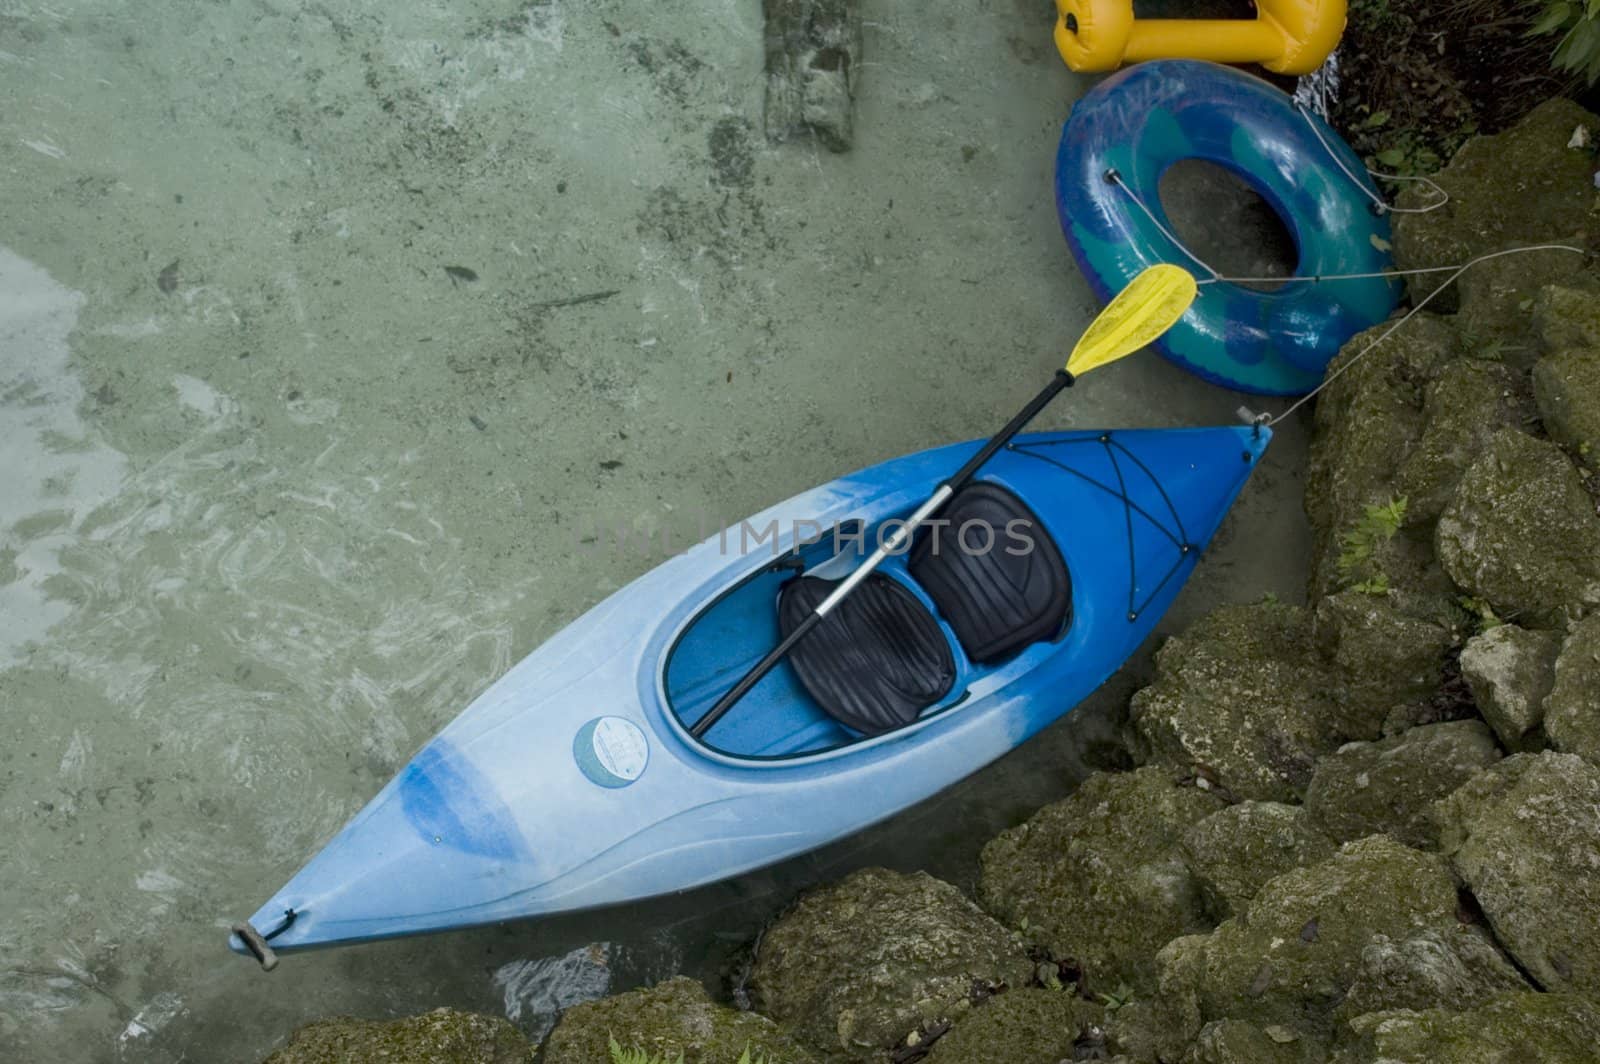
x: 1149, y: 306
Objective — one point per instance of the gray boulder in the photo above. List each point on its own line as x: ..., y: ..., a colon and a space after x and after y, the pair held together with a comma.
x: 1099, y: 877
x: 1536, y: 1028
x: 857, y: 966
x: 1235, y: 851
x: 671, y: 1018
x: 1509, y: 671
x: 1293, y: 955
x: 1525, y: 838
x: 443, y: 1036
x: 1572, y: 710
x: 1521, y: 532
x: 1566, y: 385
x: 1244, y: 694
x: 1389, y: 786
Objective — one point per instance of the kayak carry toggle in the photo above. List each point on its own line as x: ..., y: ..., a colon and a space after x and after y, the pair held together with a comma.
x: 256, y: 942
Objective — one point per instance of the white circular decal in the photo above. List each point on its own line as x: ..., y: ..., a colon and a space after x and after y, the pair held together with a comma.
x: 619, y: 750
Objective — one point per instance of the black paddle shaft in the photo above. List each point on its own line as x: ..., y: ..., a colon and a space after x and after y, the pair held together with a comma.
x: 1060, y: 381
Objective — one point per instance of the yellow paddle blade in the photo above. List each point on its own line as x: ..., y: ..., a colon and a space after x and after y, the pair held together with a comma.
x: 1150, y: 305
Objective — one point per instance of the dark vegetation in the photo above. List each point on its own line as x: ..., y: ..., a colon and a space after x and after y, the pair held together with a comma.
x: 1418, y: 77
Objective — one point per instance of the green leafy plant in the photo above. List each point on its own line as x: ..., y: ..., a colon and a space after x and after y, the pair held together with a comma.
x: 1482, y: 614
x: 1116, y: 998
x: 639, y: 1056
x: 1578, y: 23
x: 1377, y: 526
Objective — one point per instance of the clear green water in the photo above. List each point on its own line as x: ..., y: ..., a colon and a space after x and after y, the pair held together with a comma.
x: 279, y: 493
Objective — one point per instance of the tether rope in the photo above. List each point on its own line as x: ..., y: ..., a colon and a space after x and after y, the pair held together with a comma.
x: 1454, y: 271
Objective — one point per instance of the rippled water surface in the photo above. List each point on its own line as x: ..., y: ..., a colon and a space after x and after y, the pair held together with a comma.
x: 328, y: 330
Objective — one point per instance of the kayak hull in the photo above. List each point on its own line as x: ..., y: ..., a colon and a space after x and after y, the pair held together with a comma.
x: 571, y: 782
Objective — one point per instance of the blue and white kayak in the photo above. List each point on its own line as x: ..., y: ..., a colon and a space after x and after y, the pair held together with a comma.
x: 574, y: 781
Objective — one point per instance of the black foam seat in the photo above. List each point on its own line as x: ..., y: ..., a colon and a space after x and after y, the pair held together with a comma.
x: 999, y: 589
x: 878, y: 659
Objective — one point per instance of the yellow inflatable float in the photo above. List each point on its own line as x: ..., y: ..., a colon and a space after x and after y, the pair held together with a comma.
x: 1286, y: 36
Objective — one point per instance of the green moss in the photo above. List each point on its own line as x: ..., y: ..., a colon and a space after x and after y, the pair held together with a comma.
x: 1237, y: 850
x: 1368, y: 420
x: 1247, y: 695
x: 1389, y: 786
x: 1099, y: 877
x: 1548, y: 1028
x: 1292, y: 956
x: 1566, y: 386
x: 1465, y: 404
x: 1521, y: 532
x: 671, y: 1021
x: 1523, y: 836
x: 857, y: 966
x: 1566, y: 317
x: 1572, y: 710
x: 1546, y: 196
x: 1020, y: 1025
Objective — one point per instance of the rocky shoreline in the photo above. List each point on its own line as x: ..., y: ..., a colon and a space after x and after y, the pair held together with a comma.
x: 1363, y: 829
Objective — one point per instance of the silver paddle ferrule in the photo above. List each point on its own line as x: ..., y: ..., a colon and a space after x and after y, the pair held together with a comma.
x: 893, y: 545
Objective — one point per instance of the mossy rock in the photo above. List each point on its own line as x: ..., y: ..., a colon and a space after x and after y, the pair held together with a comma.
x: 1238, y: 1042
x: 1389, y: 786
x: 1022, y: 1025
x: 1235, y: 851
x: 1157, y: 1027
x: 1370, y: 418
x: 1525, y: 1026
x: 1382, y: 649
x: 1566, y: 317
x: 1099, y: 877
x: 1521, y: 532
x: 1525, y: 838
x: 855, y: 967
x: 1294, y: 953
x: 1566, y: 386
x: 1497, y: 294
x: 443, y: 1036
x: 1465, y: 404
x: 1522, y: 186
x: 1510, y: 671
x: 1243, y: 694
x: 673, y: 1017
x: 1572, y: 709
x: 1459, y: 968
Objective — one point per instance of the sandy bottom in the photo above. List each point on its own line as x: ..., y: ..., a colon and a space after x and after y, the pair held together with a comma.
x: 303, y: 411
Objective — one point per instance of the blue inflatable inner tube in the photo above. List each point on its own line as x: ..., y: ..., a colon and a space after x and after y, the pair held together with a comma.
x: 1125, y: 134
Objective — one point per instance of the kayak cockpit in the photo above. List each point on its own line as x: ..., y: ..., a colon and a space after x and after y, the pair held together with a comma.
x: 975, y: 590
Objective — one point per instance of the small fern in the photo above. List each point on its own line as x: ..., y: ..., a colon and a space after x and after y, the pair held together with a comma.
x: 1482, y: 614
x: 1117, y: 998
x: 1377, y: 526
x: 638, y: 1056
